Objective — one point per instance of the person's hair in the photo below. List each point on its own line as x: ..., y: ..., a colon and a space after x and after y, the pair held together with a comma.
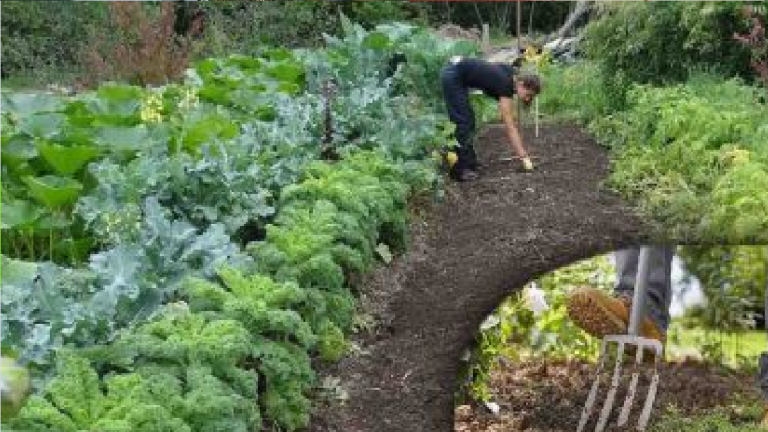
x: 531, y: 82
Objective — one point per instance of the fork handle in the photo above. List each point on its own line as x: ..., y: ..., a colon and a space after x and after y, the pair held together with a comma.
x: 637, y: 312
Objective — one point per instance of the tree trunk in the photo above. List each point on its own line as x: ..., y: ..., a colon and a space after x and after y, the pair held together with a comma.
x: 582, y: 7
x: 479, y: 15
x: 530, y: 19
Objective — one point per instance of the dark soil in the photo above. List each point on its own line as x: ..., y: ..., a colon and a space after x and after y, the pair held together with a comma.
x: 547, y: 396
x: 484, y: 241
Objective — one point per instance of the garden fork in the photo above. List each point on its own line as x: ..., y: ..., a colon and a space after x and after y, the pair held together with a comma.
x: 632, y: 338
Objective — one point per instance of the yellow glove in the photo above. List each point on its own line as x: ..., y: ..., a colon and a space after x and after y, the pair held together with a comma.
x: 452, y: 158
x: 527, y: 164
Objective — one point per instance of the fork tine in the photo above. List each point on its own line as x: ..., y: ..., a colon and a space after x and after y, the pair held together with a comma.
x: 586, y: 413
x: 608, y: 405
x: 642, y: 423
x: 643, y: 345
x: 629, y: 400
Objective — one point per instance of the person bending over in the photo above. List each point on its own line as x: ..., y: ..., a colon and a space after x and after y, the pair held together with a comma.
x: 496, y: 80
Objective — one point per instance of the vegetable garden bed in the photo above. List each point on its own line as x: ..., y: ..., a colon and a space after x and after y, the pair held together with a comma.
x: 187, y: 257
x: 175, y: 257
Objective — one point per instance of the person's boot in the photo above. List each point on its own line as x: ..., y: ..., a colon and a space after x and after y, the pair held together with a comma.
x: 463, y: 175
x: 468, y: 175
x: 600, y: 314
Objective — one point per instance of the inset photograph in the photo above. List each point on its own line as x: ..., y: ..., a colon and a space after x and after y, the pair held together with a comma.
x: 663, y: 337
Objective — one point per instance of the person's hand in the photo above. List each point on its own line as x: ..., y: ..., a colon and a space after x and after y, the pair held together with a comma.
x: 527, y: 164
x: 451, y: 158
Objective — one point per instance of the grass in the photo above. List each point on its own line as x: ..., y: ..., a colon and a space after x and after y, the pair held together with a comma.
x: 739, y: 417
x: 736, y: 350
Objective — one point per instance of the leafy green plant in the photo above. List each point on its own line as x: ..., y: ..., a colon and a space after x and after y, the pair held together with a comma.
x: 183, y: 376
x: 46, y: 306
x: 699, y: 182
x: 184, y: 175
x: 573, y: 92
x: 733, y: 279
x: 118, y: 123
x: 739, y: 417
x: 327, y: 227
x: 75, y: 401
x: 42, y: 41
x: 267, y: 308
x: 47, y: 144
x: 639, y: 43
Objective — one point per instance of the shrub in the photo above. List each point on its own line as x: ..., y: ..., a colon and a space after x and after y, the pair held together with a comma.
x: 41, y: 40
x: 139, y: 46
x: 639, y: 42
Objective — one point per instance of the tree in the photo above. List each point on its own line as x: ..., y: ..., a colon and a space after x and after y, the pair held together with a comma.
x: 581, y: 9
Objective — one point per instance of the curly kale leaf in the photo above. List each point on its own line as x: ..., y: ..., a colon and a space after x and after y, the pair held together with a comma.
x: 262, y: 305
x: 76, y: 401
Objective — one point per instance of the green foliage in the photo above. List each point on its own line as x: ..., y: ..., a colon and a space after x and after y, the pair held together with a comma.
x: 206, y: 354
x: 699, y: 182
x: 117, y: 124
x: 150, y: 398
x: 145, y: 249
x: 643, y: 43
x: 75, y: 401
x: 262, y: 305
x: 328, y: 223
x: 38, y: 132
x: 46, y: 306
x: 733, y: 279
x: 691, y: 155
x: 514, y: 330
x: 41, y: 41
x: 739, y: 417
x: 219, y: 188
x: 183, y: 175
x: 359, y: 54
x: 368, y: 87
x: 243, y: 27
x: 245, y: 82
x: 739, y: 350
x: 573, y: 92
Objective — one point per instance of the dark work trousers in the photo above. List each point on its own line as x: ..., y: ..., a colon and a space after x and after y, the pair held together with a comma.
x: 456, y: 96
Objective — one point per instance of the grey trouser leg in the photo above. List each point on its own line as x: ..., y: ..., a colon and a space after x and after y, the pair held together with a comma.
x: 659, y: 281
